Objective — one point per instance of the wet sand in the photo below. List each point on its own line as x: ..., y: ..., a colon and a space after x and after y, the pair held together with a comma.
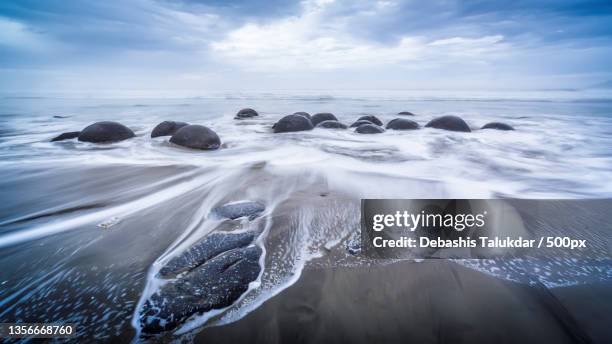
x: 436, y: 301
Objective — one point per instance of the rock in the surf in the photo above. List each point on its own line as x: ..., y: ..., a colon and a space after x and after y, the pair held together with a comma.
x: 205, y: 249
x: 66, y: 136
x: 331, y: 125
x: 369, y: 129
x: 167, y: 128
x: 405, y: 113
x: 293, y: 123
x: 237, y: 210
x: 106, y: 131
x: 371, y: 118
x: 304, y: 114
x: 402, y: 124
x: 321, y: 117
x: 360, y: 122
x: 452, y: 123
x: 197, y: 137
x: 498, y: 126
x: 246, y: 113
x: 215, y: 284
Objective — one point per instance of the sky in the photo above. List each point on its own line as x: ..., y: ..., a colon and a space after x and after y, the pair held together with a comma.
x: 264, y: 45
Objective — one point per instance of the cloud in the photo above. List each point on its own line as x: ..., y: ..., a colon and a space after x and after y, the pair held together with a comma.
x: 311, y: 41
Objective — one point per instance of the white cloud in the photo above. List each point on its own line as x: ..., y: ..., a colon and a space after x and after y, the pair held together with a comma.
x: 314, y: 41
x: 15, y: 35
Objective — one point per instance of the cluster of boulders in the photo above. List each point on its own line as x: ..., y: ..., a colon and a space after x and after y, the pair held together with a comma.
x: 201, y: 137
x: 370, y: 124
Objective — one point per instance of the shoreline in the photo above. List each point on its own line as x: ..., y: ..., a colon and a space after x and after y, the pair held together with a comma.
x: 431, y: 301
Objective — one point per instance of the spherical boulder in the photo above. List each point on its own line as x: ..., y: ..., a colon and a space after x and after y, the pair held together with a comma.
x: 167, y: 128
x: 360, y: 122
x: 369, y: 129
x: 498, y: 126
x: 304, y: 114
x: 331, y: 124
x: 66, y: 136
x: 324, y: 116
x: 402, y: 124
x: 452, y: 123
x: 105, y: 132
x: 293, y: 123
x: 405, y: 113
x: 197, y: 137
x: 371, y: 118
x: 246, y: 113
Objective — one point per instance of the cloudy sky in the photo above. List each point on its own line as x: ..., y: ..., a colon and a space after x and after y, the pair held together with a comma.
x: 312, y: 44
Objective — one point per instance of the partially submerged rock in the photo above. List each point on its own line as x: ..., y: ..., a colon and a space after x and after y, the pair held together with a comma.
x: 369, y: 129
x: 360, y: 122
x: 405, y: 113
x: 452, y: 123
x: 321, y: 117
x: 237, y: 210
x: 167, y: 128
x: 197, y: 137
x: 331, y: 125
x: 205, y: 249
x: 402, y: 124
x: 498, y: 126
x: 106, y: 131
x: 371, y: 118
x: 215, y: 284
x: 66, y: 136
x: 246, y: 113
x: 293, y: 123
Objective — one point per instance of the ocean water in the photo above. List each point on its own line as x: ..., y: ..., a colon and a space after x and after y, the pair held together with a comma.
x: 84, y: 228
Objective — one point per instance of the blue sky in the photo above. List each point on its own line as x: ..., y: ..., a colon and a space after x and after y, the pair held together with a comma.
x: 65, y: 45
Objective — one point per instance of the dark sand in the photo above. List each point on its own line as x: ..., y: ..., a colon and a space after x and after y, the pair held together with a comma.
x: 436, y: 301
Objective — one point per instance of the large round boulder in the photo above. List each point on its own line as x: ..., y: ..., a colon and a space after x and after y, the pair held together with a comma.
x: 498, y: 126
x: 292, y: 123
x: 405, y: 113
x: 331, y: 124
x: 452, y: 123
x: 304, y: 114
x: 246, y: 113
x: 167, y: 128
x: 106, y: 131
x: 369, y: 129
x: 402, y: 124
x: 197, y: 137
x: 360, y: 122
x: 371, y: 118
x: 324, y: 116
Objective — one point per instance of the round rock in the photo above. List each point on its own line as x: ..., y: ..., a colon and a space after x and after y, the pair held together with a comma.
x: 371, y: 118
x: 167, y: 128
x: 498, y: 126
x: 402, y: 124
x: 304, y: 114
x: 324, y: 116
x: 105, y: 132
x: 197, y: 137
x: 405, y: 113
x: 360, y: 122
x: 292, y: 123
x: 452, y: 123
x: 331, y: 124
x: 369, y: 129
x: 246, y: 113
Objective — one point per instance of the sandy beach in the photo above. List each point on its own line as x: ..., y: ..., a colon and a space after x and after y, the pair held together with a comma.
x: 435, y: 301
